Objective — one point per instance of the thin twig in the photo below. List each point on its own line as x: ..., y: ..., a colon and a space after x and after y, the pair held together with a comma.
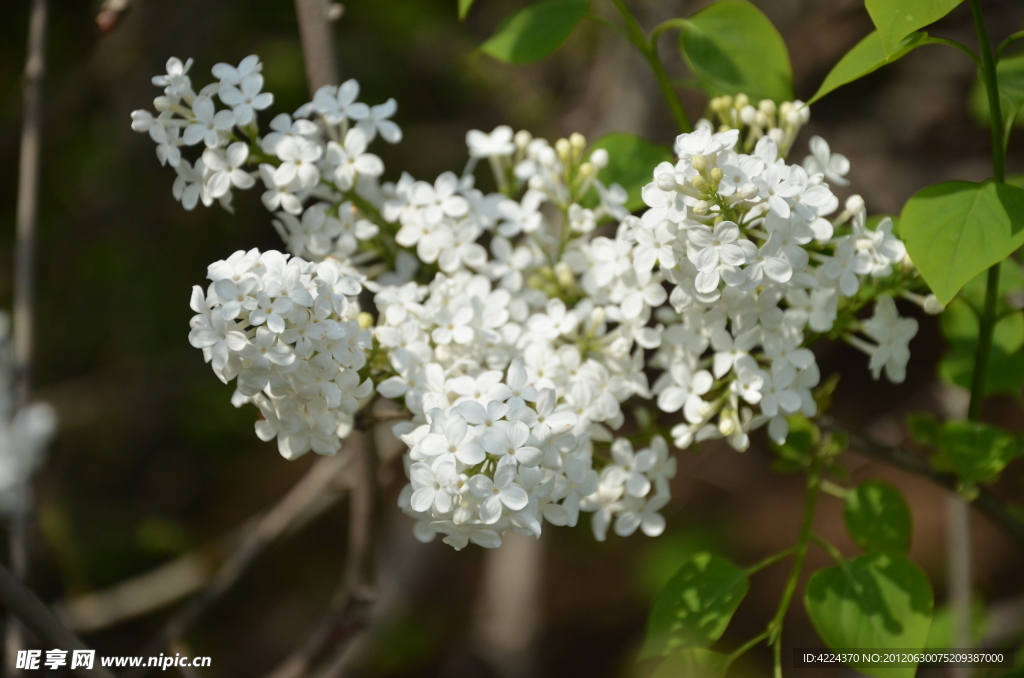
x: 38, y: 619
x: 987, y: 502
x: 316, y: 481
x: 317, y: 46
x: 24, y: 273
x: 173, y: 580
x: 350, y: 609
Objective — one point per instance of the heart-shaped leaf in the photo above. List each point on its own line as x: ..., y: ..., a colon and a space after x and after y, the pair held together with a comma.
x: 977, y: 452
x: 732, y: 47
x: 867, y: 56
x: 879, y: 601
x: 695, y: 606
x: 693, y: 663
x: 960, y: 328
x: 535, y: 31
x: 630, y: 161
x: 956, y: 230
x: 896, y: 19
x: 878, y: 518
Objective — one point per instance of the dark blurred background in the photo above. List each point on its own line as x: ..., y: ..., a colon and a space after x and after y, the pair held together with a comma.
x: 153, y: 462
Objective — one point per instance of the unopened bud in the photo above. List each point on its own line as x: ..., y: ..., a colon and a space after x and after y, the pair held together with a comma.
x: 748, y: 190
x: 586, y: 171
x: 564, y: 274
x: 365, y: 320
x: 716, y: 176
x: 563, y: 148
x: 700, y: 183
x: 726, y: 102
x: 522, y: 139
x: 742, y: 100
x: 699, y: 163
x: 763, y: 120
x: 749, y: 115
x: 766, y: 106
x: 855, y: 204
x: 932, y: 306
x: 701, y: 207
x: 578, y: 142
x: 667, y: 182
x: 599, y: 158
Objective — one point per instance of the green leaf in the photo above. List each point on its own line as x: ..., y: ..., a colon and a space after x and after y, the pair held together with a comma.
x: 940, y: 635
x: 1006, y: 360
x: 695, y: 606
x: 535, y: 31
x: 1010, y: 76
x: 924, y: 429
x: 693, y: 663
x: 867, y: 56
x: 881, y: 601
x: 464, y: 6
x: 878, y: 518
x: 1016, y: 180
x: 956, y: 230
x: 732, y: 47
x: 630, y: 162
x: 977, y: 452
x: 896, y: 19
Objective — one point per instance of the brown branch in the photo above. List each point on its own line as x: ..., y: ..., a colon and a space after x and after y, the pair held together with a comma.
x: 987, y: 502
x: 24, y: 273
x: 350, y: 609
x: 271, y: 526
x: 173, y: 580
x: 315, y: 18
x: 38, y: 619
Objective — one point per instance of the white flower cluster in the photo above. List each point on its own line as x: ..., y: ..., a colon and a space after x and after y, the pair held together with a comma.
x: 24, y: 433
x: 313, y: 165
x: 757, y: 272
x: 287, y: 329
x: 514, y: 325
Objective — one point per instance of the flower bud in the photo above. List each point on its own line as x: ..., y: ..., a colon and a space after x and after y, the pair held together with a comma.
x: 667, y: 182
x: 599, y: 158
x: 742, y: 101
x: 701, y: 208
x: 699, y: 163
x: 932, y: 306
x: 522, y: 139
x: 365, y: 320
x: 578, y: 142
x: 749, y: 115
x: 700, y: 183
x: 766, y: 106
x: 855, y: 204
x: 716, y: 176
x: 563, y: 148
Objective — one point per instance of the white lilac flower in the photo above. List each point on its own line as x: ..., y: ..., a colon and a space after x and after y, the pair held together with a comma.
x: 512, y: 326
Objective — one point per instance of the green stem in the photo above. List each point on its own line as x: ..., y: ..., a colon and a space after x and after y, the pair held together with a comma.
x: 770, y: 560
x: 829, y: 548
x: 1006, y: 43
x: 810, y: 503
x: 746, y: 647
x: 956, y: 45
x: 637, y: 37
x: 988, y: 318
